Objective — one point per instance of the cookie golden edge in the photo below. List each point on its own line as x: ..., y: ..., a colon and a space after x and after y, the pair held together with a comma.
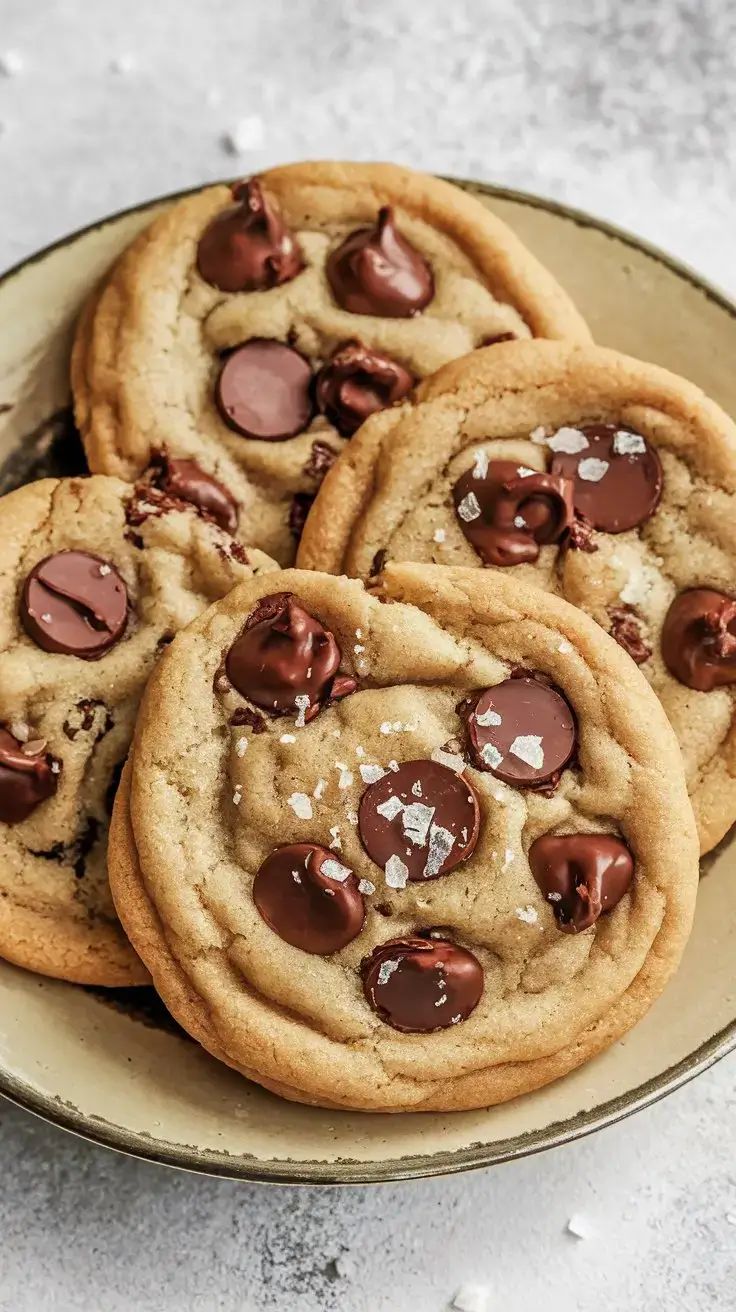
x: 112, y: 333
x: 432, y: 589
x: 587, y: 371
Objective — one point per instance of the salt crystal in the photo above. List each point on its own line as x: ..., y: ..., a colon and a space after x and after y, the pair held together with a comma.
x: 393, y: 765
x: 528, y: 748
x: 20, y: 730
x: 469, y: 508
x: 519, y: 521
x: 579, y: 1226
x: 386, y: 970
x: 336, y: 843
x: 296, y: 876
x: 491, y: 755
x: 628, y: 444
x: 122, y: 64
x: 390, y: 808
x: 238, y: 795
x: 346, y: 777
x: 301, y: 806
x: 416, y: 821
x: 731, y: 1218
x: 302, y: 703
x: 287, y: 738
x: 46, y: 618
x: 480, y: 468
x: 104, y: 570
x: 441, y: 843
x: 370, y: 774
x: 360, y: 751
x: 396, y: 872
x: 351, y: 817
x: 554, y: 897
x: 539, y: 436
x: 525, y: 472
x: 569, y: 440
x: 319, y: 789
x: 56, y: 768
x: 247, y: 134
x: 470, y: 1298
x: 11, y: 63
x: 487, y: 717
x: 528, y: 914
x: 417, y: 789
x: 508, y: 857
x: 365, y: 886
x: 592, y: 470
x: 241, y: 746
x: 335, y: 870
x: 441, y: 1000
x: 565, y: 646
x: 439, y: 535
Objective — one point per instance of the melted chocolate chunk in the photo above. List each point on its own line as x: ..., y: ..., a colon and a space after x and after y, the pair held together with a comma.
x: 626, y: 629
x: 185, y: 483
x: 301, y: 504
x: 422, y: 818
x: 83, y: 716
x: 522, y: 730
x: 421, y: 984
x: 248, y: 247
x: 377, y: 271
x: 617, y: 477
x: 378, y: 562
x: 309, y: 898
x: 245, y: 715
x: 699, y: 639
x: 356, y: 383
x: 27, y: 777
x: 264, y: 391
x: 580, y: 535
x: 507, y: 513
x: 321, y: 459
x: 581, y: 876
x: 283, y: 653
x: 75, y: 603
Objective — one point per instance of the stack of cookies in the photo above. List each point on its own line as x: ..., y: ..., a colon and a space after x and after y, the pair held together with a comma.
x: 374, y: 695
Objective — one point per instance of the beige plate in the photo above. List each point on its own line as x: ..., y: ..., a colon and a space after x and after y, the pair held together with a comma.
x: 115, y: 1069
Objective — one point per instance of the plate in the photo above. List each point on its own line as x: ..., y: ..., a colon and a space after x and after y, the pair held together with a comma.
x: 111, y: 1065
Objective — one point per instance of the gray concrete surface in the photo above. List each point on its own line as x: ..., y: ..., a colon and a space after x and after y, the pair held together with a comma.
x: 625, y: 108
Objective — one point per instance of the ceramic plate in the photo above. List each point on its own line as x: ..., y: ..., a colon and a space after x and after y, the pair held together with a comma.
x: 112, y: 1066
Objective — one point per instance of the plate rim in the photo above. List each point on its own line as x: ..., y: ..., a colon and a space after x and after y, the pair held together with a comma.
x: 349, y: 1171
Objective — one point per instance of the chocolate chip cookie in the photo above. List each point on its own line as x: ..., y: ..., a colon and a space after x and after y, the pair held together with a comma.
x: 608, y: 481
x: 97, y: 577
x: 426, y: 849
x: 254, y: 329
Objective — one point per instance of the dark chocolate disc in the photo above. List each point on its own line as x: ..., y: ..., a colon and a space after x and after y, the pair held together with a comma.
x: 283, y: 653
x: 699, y: 639
x: 27, y: 777
x: 617, y: 477
x: 185, y: 480
x: 265, y: 391
x: 309, y: 898
x: 356, y: 383
x: 581, y: 876
x: 422, y: 984
x: 423, y: 817
x: 248, y: 247
x: 507, y: 512
x: 523, y: 731
x: 377, y: 271
x: 75, y: 603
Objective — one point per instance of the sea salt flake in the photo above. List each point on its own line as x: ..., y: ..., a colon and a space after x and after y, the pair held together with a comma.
x: 370, y: 774
x: 568, y: 440
x: 359, y: 633
x: 441, y: 1000
x: 525, y: 472
x: 417, y: 788
x: 346, y: 776
x: 104, y: 570
x: 508, y: 857
x: 55, y: 767
x: 638, y: 586
x: 241, y: 746
x: 46, y: 618
x: 386, y: 970
x: 20, y: 730
x: 628, y: 444
x: 386, y: 727
x: 469, y: 508
x: 731, y: 1218
x: 358, y: 648
x: 416, y: 821
x: 554, y: 897
x: 393, y: 765
x: 365, y: 886
x: 519, y: 521
x: 238, y: 795
x: 351, y: 817
x: 360, y: 751
x: 319, y: 789
x: 301, y: 806
x: 11, y: 63
x: 564, y: 646
x: 396, y: 872
x: 528, y: 914
x: 480, y: 468
x: 455, y: 1020
x: 439, y: 535
x: 592, y: 470
x: 390, y: 808
x: 296, y: 876
x: 302, y: 703
x: 579, y: 1226
x: 452, y: 760
x: 335, y: 870
x: 336, y: 843
x: 470, y: 1298
x: 491, y: 755
x: 528, y: 748
x: 287, y: 738
x: 441, y: 843
x: 487, y: 718
x: 122, y: 64
x: 247, y: 134
x: 539, y: 436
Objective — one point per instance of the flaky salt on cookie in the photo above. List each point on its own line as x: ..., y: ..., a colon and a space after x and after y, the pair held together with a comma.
x: 96, y: 578
x: 254, y: 330
x: 608, y: 481
x: 425, y: 850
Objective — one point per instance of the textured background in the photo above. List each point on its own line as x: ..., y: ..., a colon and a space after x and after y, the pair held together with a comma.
x: 623, y: 107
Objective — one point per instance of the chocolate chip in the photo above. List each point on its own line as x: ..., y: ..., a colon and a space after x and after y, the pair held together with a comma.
x: 506, y: 513
x: 356, y: 383
x: 378, y: 562
x: 377, y: 271
x: 301, y: 504
x: 264, y: 391
x: 27, y: 777
x: 307, y: 897
x: 424, y: 816
x: 580, y: 535
x: 283, y: 653
x: 248, y: 247
x: 75, y: 603
x: 421, y: 984
x: 626, y: 629
x: 321, y: 459
x: 83, y: 716
x: 185, y: 481
x: 522, y: 730
x: 617, y: 477
x: 244, y: 715
x: 699, y: 639
x: 581, y: 876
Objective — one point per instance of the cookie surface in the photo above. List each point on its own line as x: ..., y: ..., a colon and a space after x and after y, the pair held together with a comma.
x: 342, y: 899
x: 97, y: 577
x: 608, y: 481
x: 255, y: 333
